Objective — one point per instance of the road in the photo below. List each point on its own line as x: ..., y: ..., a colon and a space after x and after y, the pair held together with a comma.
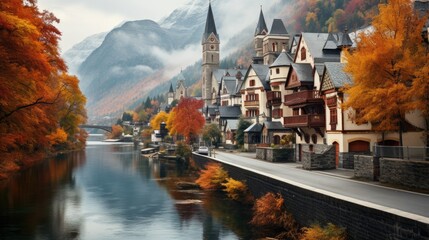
x: 404, y: 203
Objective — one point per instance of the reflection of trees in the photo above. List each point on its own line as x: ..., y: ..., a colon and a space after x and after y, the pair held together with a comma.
x: 216, y: 210
x: 33, y: 204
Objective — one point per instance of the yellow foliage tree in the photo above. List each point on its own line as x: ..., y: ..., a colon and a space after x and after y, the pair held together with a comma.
x: 384, y: 68
x: 237, y: 190
x: 330, y: 232
x: 158, y: 119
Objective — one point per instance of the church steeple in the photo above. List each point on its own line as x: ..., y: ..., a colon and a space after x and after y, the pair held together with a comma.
x: 211, y: 58
x: 210, y: 25
x: 261, y: 27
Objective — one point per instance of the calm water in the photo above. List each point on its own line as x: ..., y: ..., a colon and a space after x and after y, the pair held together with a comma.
x: 112, y: 192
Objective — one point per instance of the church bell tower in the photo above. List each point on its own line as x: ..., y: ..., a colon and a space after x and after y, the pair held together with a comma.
x: 210, y: 47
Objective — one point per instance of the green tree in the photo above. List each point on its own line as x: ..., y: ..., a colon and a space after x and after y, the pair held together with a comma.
x: 212, y: 134
x: 385, y: 67
x: 242, y: 125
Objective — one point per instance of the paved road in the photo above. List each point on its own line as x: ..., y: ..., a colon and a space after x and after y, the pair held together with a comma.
x: 403, y: 203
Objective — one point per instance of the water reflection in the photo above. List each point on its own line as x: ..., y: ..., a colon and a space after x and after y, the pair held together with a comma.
x: 112, y: 192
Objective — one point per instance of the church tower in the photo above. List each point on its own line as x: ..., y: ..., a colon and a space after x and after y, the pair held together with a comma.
x: 260, y: 32
x: 170, y: 95
x: 210, y: 44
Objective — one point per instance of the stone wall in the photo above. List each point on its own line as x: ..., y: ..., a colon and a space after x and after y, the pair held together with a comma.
x: 318, y: 157
x: 307, y: 207
x: 346, y: 159
x: 276, y: 154
x: 364, y: 167
x: 404, y: 172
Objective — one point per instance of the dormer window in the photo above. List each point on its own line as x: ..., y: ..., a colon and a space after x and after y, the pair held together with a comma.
x: 303, y: 54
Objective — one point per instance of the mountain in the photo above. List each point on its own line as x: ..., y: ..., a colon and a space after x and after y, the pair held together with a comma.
x: 141, y: 58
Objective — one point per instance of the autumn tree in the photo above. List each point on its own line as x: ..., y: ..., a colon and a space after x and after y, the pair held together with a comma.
x: 385, y: 68
x: 40, y: 104
x: 212, y: 133
x: 156, y: 121
x: 189, y: 121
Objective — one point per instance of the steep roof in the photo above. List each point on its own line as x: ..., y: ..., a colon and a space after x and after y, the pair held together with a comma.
x: 261, y: 27
x: 229, y: 111
x: 210, y: 25
x: 232, y: 124
x: 171, y: 88
x: 304, y: 72
x: 316, y: 42
x: 278, y: 28
x: 344, y: 39
x: 334, y: 71
x: 282, y: 60
x: 263, y: 73
x: 230, y: 84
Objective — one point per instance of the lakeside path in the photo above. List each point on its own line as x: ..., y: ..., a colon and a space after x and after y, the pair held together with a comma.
x: 400, y: 202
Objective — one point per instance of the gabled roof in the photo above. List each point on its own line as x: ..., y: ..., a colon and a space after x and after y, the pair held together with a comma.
x: 210, y: 25
x: 315, y: 43
x: 262, y: 71
x: 211, y: 110
x: 261, y: 27
x: 282, y: 60
x: 255, y: 128
x: 334, y: 76
x: 229, y: 83
x: 230, y: 112
x: 278, y: 28
x: 304, y: 72
x: 344, y: 39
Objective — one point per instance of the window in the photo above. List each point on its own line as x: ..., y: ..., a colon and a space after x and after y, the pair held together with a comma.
x: 333, y: 118
x: 277, y: 70
x: 252, y: 97
x: 277, y: 113
x: 303, y: 54
x: 274, y: 47
x: 252, y: 83
x: 296, y: 112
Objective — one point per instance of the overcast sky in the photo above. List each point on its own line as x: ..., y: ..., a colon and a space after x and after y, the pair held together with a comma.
x: 82, y: 18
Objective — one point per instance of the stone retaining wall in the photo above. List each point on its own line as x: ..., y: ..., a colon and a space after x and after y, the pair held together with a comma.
x: 361, y: 222
x: 404, y: 172
x: 364, y: 167
x: 318, y: 157
x: 276, y: 154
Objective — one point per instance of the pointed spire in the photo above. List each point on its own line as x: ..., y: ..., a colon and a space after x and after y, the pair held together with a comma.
x: 210, y: 24
x: 171, y: 88
x: 261, y: 28
x: 346, y: 41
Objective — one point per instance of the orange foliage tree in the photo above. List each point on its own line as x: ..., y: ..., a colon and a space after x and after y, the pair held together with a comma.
x: 188, y: 120
x: 269, y: 212
x: 37, y: 97
x: 330, y: 232
x: 212, y: 177
x: 385, y: 69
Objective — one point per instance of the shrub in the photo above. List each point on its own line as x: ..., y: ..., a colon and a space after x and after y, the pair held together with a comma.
x: 329, y: 232
x: 212, y: 177
x: 269, y: 212
x: 237, y: 191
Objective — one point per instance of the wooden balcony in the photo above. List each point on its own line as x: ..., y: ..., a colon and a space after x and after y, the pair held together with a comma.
x: 312, y: 121
x: 254, y: 103
x: 303, y: 97
x: 274, y: 98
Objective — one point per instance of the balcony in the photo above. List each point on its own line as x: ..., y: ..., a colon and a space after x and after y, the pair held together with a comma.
x: 252, y: 103
x: 274, y: 98
x: 303, y: 98
x: 312, y: 121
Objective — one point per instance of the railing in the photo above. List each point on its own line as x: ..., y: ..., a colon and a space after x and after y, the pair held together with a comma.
x: 251, y: 103
x: 302, y: 96
x: 404, y: 152
x: 312, y: 120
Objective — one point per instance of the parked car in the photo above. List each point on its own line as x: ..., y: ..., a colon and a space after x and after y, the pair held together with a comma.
x: 203, y: 150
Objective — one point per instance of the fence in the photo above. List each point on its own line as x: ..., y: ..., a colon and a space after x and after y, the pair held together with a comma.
x: 404, y: 152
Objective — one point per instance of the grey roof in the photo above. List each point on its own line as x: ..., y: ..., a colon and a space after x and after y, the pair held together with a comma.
x: 229, y: 84
x: 336, y: 73
x: 262, y: 26
x: 229, y: 111
x: 218, y: 74
x: 210, y: 25
x: 211, y: 109
x: 304, y: 72
x: 256, y: 127
x: 270, y: 125
x: 232, y: 124
x: 262, y: 71
x: 319, y: 68
x: 344, y: 39
x: 316, y: 43
x: 278, y: 28
x: 282, y: 60
x: 331, y: 42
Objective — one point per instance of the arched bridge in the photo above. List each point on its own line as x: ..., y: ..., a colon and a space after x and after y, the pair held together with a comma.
x: 105, y: 128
